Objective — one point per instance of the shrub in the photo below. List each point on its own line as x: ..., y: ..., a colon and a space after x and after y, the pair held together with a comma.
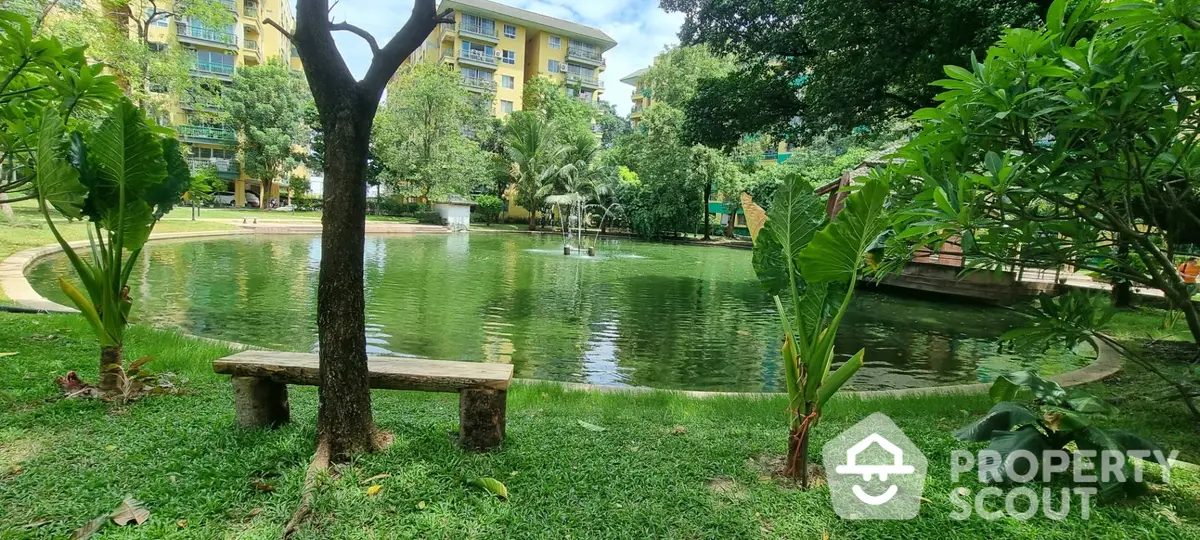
x: 429, y: 217
x: 488, y: 208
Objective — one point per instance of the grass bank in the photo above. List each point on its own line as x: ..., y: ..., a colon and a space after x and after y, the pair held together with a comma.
x: 664, y: 466
x: 27, y: 229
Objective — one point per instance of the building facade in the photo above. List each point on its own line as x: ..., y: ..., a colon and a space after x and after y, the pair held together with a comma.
x: 641, y: 94
x: 497, y: 48
x: 218, y: 50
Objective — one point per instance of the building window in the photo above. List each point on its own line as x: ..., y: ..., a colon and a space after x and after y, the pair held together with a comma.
x: 555, y: 42
x: 506, y: 106
x: 552, y: 66
x: 507, y: 81
x: 510, y: 31
x: 510, y: 57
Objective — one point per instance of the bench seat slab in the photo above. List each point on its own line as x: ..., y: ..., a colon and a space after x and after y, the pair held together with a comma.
x: 386, y: 372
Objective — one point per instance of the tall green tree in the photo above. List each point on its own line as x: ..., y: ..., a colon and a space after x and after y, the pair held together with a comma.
x: 1072, y: 145
x: 856, y: 62
x: 266, y: 104
x: 536, y: 153
x: 419, y: 134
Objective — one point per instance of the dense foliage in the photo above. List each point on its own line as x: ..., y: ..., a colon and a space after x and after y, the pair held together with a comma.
x: 1072, y: 146
x: 266, y: 104
x: 808, y: 66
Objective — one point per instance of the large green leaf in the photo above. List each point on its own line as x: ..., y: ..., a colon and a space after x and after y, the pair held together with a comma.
x: 795, y: 216
x: 126, y: 155
x: 839, y: 377
x: 1026, y: 438
x: 770, y: 265
x: 1003, y: 416
x: 837, y: 252
x: 134, y: 223
x: 56, y: 181
x: 162, y: 196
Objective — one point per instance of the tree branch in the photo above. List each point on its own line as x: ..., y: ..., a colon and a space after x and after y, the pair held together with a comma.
x: 445, y: 17
x: 347, y: 27
x: 281, y: 29
x: 423, y: 20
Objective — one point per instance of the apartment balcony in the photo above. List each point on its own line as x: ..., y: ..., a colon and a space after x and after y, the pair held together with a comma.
x: 207, y: 134
x: 447, y: 31
x: 224, y: 167
x: 251, y: 50
x: 250, y: 11
x: 475, y: 58
x: 190, y: 103
x: 478, y: 31
x: 212, y: 69
x: 583, y: 56
x: 585, y: 81
x: 479, y: 84
x: 206, y: 36
x: 228, y: 4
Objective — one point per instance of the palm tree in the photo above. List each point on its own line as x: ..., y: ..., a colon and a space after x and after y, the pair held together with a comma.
x: 531, y: 145
x: 581, y: 181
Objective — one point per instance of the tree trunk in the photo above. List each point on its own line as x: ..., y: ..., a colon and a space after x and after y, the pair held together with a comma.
x: 344, y: 418
x: 110, y: 369
x: 707, y: 216
x: 1122, y: 289
x: 5, y: 208
x: 532, y: 221
x: 264, y: 196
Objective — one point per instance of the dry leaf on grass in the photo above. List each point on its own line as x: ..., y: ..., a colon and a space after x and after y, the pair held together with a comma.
x: 89, y: 528
x: 590, y: 427
x: 374, y: 490
x: 131, y: 510
x: 374, y: 478
x: 263, y: 486
x: 495, y: 486
x: 3, y: 354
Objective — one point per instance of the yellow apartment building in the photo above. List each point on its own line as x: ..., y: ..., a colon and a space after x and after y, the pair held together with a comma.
x: 640, y: 96
x: 497, y: 48
x: 218, y: 50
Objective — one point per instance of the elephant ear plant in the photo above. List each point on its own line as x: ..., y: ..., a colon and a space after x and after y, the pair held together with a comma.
x: 813, y: 263
x: 1056, y: 419
x: 120, y: 178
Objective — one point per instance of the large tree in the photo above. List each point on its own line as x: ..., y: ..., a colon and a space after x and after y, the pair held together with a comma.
x: 536, y: 153
x: 346, y: 108
x: 419, y: 134
x: 266, y: 104
x: 856, y: 61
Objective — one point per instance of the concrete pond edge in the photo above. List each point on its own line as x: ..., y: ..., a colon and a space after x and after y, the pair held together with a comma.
x: 18, y: 289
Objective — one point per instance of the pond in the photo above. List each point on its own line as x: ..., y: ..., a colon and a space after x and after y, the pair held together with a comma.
x: 642, y: 314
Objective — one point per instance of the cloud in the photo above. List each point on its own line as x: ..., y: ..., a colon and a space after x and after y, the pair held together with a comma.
x: 640, y: 30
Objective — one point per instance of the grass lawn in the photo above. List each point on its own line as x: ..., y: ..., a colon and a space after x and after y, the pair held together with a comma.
x: 63, y: 462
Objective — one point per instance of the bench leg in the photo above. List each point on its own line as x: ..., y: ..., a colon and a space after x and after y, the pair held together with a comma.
x: 260, y: 402
x: 481, y: 418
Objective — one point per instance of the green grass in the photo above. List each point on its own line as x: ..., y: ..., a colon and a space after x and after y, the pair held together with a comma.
x: 65, y: 461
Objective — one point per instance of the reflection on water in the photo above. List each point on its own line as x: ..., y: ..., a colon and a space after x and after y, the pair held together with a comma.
x: 638, y: 314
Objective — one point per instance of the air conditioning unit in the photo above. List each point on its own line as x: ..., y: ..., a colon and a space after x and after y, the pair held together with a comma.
x: 562, y: 68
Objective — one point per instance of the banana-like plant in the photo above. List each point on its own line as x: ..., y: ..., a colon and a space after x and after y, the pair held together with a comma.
x: 815, y: 263
x: 121, y: 178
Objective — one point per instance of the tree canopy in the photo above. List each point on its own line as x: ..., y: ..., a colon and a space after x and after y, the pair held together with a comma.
x: 808, y: 66
x: 266, y: 103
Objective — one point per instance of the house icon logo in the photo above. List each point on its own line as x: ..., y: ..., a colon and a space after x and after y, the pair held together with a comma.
x: 878, y: 472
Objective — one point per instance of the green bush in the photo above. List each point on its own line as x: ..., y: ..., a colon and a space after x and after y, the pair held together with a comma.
x: 488, y: 208
x: 390, y: 206
x: 429, y: 217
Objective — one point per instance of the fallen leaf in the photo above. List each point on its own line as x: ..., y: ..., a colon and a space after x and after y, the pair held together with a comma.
x: 590, y: 427
x: 374, y: 478
x: 254, y: 512
x: 374, y: 490
x: 743, y: 332
x: 131, y: 510
x: 36, y: 524
x: 3, y: 354
x: 420, y: 505
x: 182, y: 524
x: 678, y: 430
x: 1170, y: 515
x: 110, y: 447
x: 494, y: 486
x: 89, y: 528
x: 263, y: 486
x: 923, y: 499
x: 514, y: 473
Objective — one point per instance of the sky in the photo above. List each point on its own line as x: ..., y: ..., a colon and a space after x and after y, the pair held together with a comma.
x: 640, y: 28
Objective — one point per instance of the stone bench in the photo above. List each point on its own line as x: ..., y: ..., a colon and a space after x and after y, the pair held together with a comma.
x: 260, y: 380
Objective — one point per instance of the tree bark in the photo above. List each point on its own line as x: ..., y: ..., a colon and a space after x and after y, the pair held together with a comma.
x: 707, y: 216
x: 532, y: 221
x: 1122, y: 289
x: 344, y: 418
x: 110, y: 369
x: 264, y: 196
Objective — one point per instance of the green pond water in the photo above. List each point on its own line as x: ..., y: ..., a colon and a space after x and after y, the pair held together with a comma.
x: 641, y: 314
